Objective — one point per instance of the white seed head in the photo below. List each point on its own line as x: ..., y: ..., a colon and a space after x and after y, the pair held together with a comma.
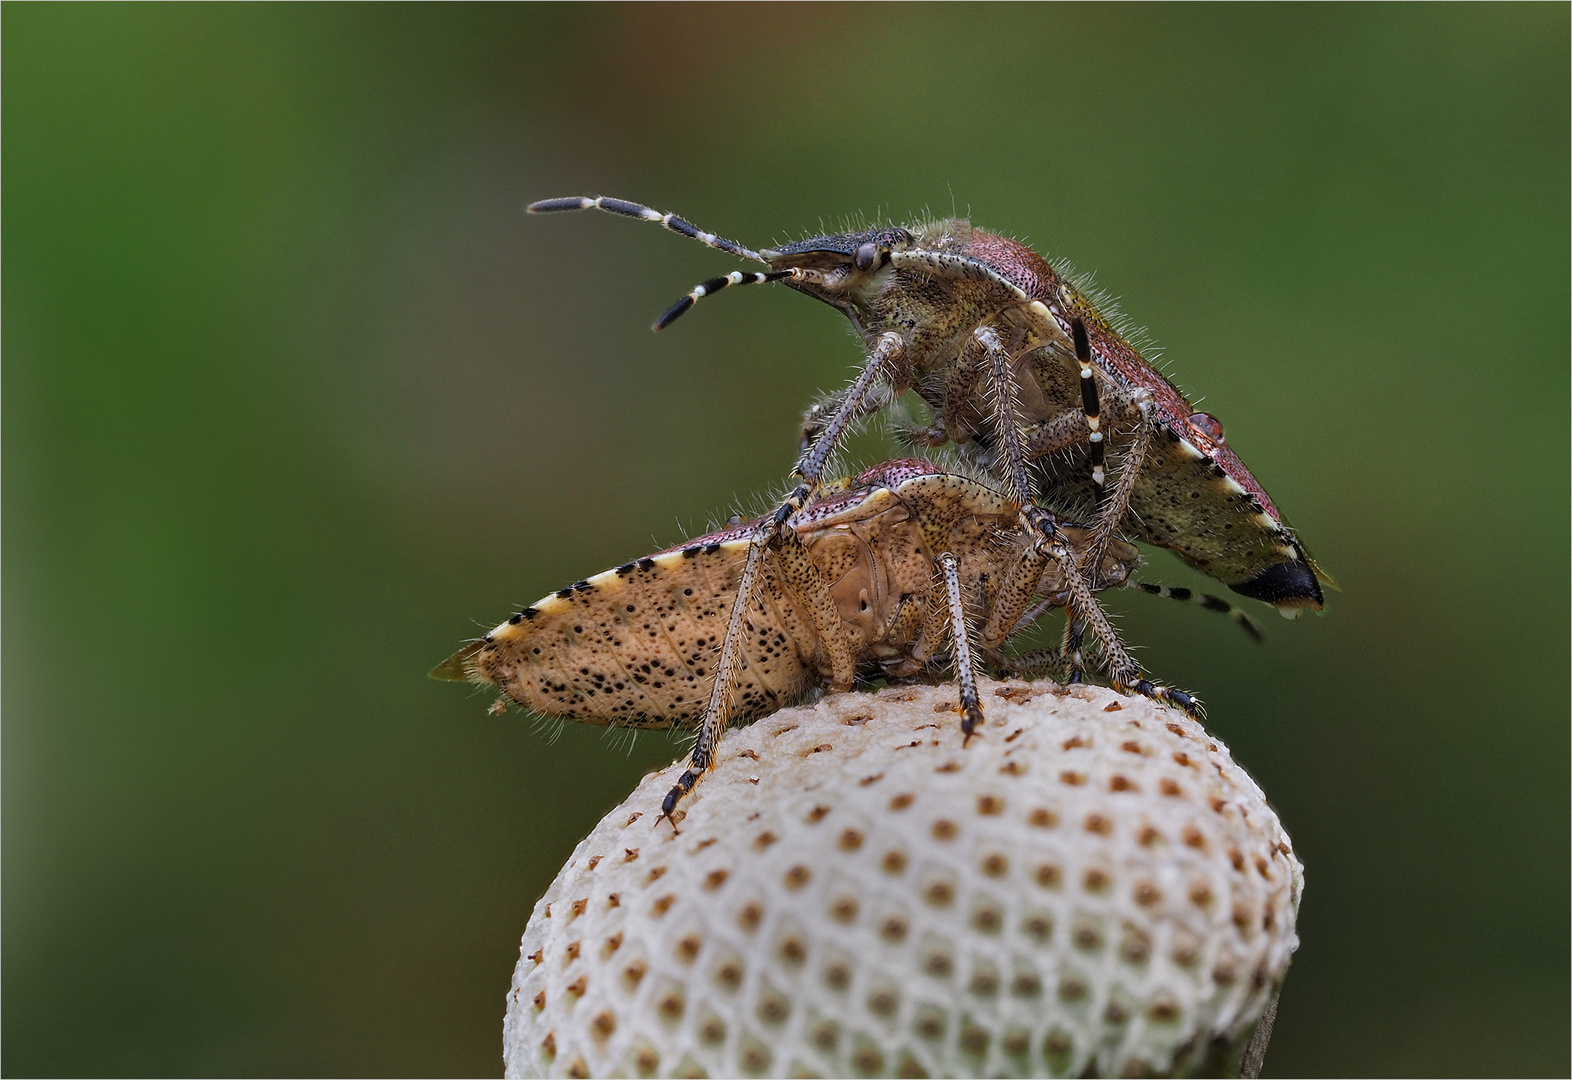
x: 1090, y: 884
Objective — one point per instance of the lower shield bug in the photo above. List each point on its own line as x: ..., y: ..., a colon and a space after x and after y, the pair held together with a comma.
x: 871, y: 579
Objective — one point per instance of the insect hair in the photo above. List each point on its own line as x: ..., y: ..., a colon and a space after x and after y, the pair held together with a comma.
x: 548, y: 728
x: 1111, y: 311
x: 620, y: 739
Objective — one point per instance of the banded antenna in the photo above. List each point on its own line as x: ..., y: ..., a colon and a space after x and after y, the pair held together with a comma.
x: 680, y: 226
x: 1187, y: 596
x: 1209, y: 602
x: 736, y: 277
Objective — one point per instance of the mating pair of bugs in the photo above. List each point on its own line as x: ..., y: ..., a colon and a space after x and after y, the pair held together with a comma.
x: 1035, y: 386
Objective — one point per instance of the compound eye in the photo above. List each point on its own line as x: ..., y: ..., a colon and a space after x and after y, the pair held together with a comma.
x: 1208, y: 425
x: 867, y: 255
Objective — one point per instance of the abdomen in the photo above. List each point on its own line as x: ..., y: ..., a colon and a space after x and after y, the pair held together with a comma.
x: 637, y: 646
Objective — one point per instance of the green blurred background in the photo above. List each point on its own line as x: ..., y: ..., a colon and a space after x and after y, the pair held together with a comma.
x: 296, y: 397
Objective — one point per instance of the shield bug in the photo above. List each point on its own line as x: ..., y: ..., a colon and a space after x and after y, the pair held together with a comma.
x: 1017, y: 362
x: 870, y: 579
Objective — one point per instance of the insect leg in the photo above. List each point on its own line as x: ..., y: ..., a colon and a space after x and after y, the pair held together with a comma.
x: 1074, y: 638
x: 879, y: 397
x: 935, y: 624
x: 1122, y: 671
x: 810, y: 466
x: 644, y: 213
x: 965, y: 374
x: 1036, y: 662
x: 965, y: 662
x: 809, y: 470
x: 811, y: 590
x: 717, y: 714
x: 1016, y: 593
x: 1111, y: 513
x: 1120, y: 408
x: 923, y: 436
x: 1209, y: 602
x: 1001, y: 389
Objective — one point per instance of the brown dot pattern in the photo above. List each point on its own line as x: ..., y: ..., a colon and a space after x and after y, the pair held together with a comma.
x: 635, y: 646
x: 1048, y: 926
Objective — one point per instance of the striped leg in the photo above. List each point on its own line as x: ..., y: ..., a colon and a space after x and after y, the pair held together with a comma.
x: 965, y: 662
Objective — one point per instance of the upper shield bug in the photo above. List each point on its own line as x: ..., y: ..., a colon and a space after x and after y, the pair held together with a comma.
x: 871, y: 579
x: 1015, y: 360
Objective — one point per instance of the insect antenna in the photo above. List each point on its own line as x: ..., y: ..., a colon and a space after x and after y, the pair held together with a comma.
x: 644, y: 213
x: 714, y: 285
x: 1209, y: 602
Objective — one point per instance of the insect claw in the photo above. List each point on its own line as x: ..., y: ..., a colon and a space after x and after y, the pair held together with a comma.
x: 970, y: 721
x: 1166, y: 695
x: 668, y: 805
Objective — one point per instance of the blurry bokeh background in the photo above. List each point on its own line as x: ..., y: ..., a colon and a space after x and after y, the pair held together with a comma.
x: 296, y: 398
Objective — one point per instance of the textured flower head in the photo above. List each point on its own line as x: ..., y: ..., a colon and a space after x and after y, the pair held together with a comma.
x: 1091, y: 884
